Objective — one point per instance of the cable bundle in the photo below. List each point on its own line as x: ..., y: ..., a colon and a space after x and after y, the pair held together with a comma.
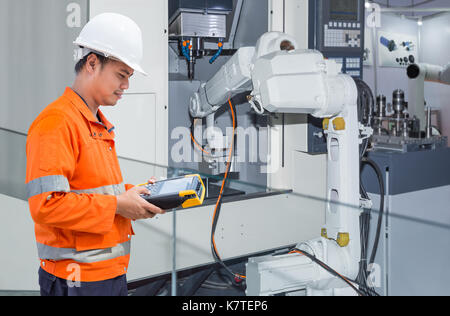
x: 366, y: 103
x: 218, y: 207
x: 219, y: 203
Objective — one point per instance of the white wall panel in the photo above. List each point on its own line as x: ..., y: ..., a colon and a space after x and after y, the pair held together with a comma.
x: 134, y: 118
x: 276, y: 16
x: 36, y: 56
x: 296, y: 21
x: 152, y: 17
x: 19, y: 262
x: 290, y: 16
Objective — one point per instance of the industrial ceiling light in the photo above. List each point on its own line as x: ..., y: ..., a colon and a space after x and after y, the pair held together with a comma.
x: 420, y: 21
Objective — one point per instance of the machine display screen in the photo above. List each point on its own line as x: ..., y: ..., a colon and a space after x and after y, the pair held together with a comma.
x: 175, y: 186
x: 344, y: 10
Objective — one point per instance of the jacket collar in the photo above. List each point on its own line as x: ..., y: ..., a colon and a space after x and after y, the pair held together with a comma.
x: 81, y: 105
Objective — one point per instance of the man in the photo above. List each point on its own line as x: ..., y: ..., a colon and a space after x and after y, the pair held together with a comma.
x: 81, y: 208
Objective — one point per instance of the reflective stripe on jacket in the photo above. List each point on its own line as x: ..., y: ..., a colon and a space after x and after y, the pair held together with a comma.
x: 73, y: 178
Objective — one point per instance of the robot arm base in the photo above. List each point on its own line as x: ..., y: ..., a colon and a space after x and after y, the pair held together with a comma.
x: 270, y: 275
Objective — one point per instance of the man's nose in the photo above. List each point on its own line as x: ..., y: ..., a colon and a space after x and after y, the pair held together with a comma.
x: 125, y: 85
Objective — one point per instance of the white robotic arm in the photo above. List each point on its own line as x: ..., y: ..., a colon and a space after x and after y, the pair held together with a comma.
x: 430, y: 73
x: 418, y: 74
x: 285, y: 80
x: 275, y: 73
x: 233, y: 78
x: 236, y: 75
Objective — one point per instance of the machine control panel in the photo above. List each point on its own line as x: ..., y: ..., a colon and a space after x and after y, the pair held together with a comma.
x: 350, y: 65
x: 338, y: 32
x: 336, y: 29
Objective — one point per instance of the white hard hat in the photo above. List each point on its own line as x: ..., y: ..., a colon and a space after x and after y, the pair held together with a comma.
x: 113, y: 35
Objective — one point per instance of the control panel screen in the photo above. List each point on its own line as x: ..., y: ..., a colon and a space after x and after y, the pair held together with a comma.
x: 344, y: 10
x: 175, y: 186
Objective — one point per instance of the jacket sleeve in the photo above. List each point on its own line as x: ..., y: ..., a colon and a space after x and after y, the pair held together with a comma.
x: 51, y: 156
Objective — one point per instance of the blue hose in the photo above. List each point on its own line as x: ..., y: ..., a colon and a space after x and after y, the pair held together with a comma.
x: 219, y: 51
x: 185, y: 52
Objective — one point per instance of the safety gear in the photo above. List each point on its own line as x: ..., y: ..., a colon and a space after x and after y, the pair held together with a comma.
x: 73, y: 178
x: 112, y: 35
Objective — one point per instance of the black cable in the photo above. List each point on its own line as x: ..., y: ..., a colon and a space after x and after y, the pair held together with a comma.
x: 365, y: 230
x: 363, y: 276
x: 364, y: 95
x: 192, y: 128
x: 365, y: 217
x: 202, y: 147
x: 329, y: 269
x: 366, y: 104
x: 379, y: 174
x: 219, y: 206
x: 364, y: 226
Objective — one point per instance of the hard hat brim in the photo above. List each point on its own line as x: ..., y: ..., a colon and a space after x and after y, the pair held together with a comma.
x: 107, y: 54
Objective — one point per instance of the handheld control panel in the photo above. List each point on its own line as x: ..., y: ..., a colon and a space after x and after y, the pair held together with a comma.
x: 186, y: 192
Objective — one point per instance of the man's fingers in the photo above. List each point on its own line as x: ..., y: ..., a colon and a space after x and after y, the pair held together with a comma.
x: 153, y: 209
x: 142, y: 190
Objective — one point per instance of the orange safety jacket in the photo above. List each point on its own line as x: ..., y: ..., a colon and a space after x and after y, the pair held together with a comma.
x: 73, y: 178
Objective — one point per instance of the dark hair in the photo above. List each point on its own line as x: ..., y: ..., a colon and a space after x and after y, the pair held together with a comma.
x: 80, y: 64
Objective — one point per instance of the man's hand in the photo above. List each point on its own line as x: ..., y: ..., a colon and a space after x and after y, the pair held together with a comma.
x: 131, y: 205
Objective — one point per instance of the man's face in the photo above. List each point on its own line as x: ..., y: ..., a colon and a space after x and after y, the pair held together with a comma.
x: 110, y: 82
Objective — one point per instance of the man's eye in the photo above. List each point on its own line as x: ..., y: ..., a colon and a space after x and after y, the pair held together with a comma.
x: 121, y: 76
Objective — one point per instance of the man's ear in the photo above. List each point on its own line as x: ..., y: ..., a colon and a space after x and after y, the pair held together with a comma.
x: 92, y: 63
